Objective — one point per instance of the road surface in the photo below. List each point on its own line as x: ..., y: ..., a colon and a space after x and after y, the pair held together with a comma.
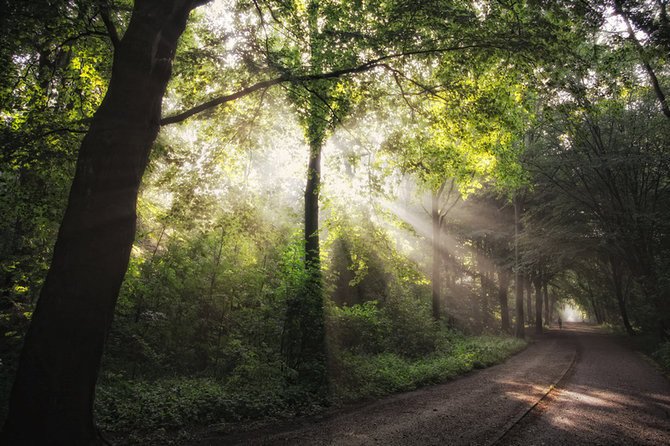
x: 570, y: 387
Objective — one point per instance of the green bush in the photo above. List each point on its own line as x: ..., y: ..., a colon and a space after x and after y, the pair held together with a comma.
x: 360, y: 328
x: 174, y: 403
x: 662, y: 355
x: 414, y: 334
x: 366, y: 376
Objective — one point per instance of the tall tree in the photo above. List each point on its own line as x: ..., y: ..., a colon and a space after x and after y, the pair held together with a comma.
x: 52, y: 397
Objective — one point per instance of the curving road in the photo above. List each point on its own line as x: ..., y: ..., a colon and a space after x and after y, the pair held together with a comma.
x: 573, y: 386
x: 612, y: 396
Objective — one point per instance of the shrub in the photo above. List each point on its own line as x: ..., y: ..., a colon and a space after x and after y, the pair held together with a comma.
x: 361, y: 328
x: 662, y: 355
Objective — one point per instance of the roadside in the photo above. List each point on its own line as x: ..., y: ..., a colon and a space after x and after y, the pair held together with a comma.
x: 470, y: 410
x: 178, y: 411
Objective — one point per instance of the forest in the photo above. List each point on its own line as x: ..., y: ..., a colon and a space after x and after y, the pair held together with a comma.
x: 218, y: 212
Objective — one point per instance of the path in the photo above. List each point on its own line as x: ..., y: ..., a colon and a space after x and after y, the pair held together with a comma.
x: 606, y: 395
x: 611, y: 397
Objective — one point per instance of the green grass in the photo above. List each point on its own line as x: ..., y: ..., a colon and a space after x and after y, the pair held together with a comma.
x: 364, y: 377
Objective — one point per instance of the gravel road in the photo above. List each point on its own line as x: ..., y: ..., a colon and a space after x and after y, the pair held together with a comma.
x: 612, y: 396
x: 606, y: 394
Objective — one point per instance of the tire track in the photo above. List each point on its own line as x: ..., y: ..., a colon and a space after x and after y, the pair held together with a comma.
x: 541, y: 403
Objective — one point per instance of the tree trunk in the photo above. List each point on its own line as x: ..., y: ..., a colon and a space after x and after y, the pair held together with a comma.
x: 312, y: 253
x: 487, y: 287
x: 448, y: 281
x: 547, y: 307
x: 529, y: 299
x: 653, y: 79
x: 520, y: 331
x: 503, y: 286
x: 303, y: 343
x: 596, y: 311
x: 437, y: 270
x: 537, y: 281
x: 617, y: 273
x: 312, y: 359
x: 52, y: 397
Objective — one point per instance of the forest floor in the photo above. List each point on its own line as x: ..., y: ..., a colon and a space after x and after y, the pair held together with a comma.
x: 578, y: 385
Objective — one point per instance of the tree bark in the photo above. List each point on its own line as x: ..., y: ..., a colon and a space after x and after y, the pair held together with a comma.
x: 520, y: 331
x: 503, y: 286
x: 537, y: 281
x: 617, y: 273
x: 529, y: 299
x: 547, y: 307
x: 437, y: 270
x: 52, y: 397
x: 312, y: 253
x: 303, y: 343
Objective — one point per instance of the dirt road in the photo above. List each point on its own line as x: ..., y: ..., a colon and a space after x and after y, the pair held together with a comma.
x: 610, y: 397
x: 604, y: 394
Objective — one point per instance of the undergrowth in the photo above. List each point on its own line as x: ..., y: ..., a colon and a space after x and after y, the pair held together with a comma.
x: 662, y: 356
x: 365, y: 376
x: 165, y: 410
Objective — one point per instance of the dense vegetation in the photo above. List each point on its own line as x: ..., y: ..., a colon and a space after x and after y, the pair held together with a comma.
x: 335, y: 201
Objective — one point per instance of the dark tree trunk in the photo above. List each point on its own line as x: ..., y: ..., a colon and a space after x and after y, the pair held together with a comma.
x: 617, y: 278
x: 503, y: 286
x: 312, y: 253
x: 660, y: 95
x: 437, y: 270
x: 648, y: 279
x: 596, y: 311
x: 448, y: 280
x: 537, y: 281
x: 52, y: 398
x: 303, y: 343
x: 529, y: 299
x: 486, y: 305
x: 600, y: 318
x: 547, y: 307
x: 520, y: 331
x: 311, y: 359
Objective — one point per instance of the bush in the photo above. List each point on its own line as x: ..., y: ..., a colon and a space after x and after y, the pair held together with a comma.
x: 662, y: 355
x: 366, y: 376
x: 360, y: 328
x: 414, y: 334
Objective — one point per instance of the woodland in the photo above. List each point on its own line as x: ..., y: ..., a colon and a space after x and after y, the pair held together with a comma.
x: 213, y: 212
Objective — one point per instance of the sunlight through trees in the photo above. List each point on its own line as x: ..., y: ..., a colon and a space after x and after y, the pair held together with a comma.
x: 276, y: 206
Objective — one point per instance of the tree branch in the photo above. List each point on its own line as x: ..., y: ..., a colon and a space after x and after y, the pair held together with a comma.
x: 367, y: 66
x: 660, y: 95
x: 107, y: 20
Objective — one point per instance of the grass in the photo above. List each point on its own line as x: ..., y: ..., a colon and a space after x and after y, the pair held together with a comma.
x: 373, y: 376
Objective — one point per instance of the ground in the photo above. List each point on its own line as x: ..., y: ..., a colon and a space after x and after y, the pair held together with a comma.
x: 578, y: 385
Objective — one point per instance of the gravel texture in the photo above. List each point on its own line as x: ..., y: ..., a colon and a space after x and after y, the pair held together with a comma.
x: 612, y: 396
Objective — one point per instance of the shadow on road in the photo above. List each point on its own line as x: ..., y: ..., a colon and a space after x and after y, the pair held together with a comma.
x: 610, y: 397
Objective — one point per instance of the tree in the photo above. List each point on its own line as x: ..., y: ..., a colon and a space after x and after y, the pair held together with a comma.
x: 52, y: 397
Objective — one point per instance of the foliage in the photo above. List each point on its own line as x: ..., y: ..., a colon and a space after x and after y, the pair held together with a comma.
x: 364, y: 376
x: 529, y: 99
x: 141, y: 411
x: 662, y: 355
